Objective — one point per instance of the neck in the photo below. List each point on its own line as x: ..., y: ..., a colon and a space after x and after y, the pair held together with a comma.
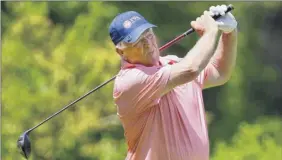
x: 151, y: 64
x: 147, y: 64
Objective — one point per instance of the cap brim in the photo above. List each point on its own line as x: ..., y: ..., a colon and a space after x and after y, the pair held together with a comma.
x: 135, y: 34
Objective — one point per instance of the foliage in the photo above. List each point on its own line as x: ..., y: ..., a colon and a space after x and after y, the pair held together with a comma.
x: 54, y: 52
x: 259, y: 141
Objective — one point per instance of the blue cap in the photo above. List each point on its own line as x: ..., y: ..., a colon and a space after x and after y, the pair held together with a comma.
x: 128, y: 27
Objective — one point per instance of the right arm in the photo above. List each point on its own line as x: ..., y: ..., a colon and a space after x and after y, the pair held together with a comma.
x: 197, y: 58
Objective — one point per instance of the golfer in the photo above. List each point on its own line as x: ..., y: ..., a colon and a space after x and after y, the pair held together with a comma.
x: 159, y: 99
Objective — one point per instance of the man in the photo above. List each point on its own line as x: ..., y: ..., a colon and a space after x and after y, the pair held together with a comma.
x: 159, y: 99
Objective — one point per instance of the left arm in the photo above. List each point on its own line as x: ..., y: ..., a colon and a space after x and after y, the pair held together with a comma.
x: 223, y: 61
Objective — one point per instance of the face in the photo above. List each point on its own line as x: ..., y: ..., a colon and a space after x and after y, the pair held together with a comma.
x: 144, y: 51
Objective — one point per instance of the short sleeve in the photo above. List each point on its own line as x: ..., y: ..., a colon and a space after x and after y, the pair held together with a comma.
x: 138, y: 89
x: 209, y: 76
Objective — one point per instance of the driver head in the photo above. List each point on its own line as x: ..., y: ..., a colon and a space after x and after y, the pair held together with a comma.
x: 24, y: 145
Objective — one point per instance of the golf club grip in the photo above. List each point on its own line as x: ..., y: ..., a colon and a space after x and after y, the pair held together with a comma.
x: 191, y: 30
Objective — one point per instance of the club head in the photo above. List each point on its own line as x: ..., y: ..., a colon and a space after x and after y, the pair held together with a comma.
x: 24, y: 145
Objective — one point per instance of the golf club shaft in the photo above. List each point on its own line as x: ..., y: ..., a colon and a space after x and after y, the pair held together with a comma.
x: 191, y: 30
x: 230, y: 7
x: 80, y: 98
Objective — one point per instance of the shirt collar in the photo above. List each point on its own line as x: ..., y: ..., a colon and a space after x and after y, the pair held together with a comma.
x: 162, y: 62
x: 127, y: 65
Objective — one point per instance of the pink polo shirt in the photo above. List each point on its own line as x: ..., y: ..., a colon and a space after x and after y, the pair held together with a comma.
x: 156, y: 127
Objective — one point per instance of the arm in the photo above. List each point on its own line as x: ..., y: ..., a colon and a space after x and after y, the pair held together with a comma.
x: 194, y: 62
x: 141, y: 88
x: 222, y: 63
x: 138, y: 89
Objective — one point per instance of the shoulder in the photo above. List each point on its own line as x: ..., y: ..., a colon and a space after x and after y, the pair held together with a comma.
x: 129, y: 75
x: 140, y: 76
x: 127, y: 78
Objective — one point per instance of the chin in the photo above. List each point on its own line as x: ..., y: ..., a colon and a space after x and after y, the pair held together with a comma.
x: 155, y: 60
x: 156, y: 56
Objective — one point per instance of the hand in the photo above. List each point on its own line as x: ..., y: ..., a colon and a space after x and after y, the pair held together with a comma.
x: 204, y: 24
x: 227, y: 22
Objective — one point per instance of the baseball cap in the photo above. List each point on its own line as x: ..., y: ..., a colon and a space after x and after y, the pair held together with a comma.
x: 128, y: 26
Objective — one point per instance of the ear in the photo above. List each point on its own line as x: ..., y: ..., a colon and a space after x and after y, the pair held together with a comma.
x: 119, y: 51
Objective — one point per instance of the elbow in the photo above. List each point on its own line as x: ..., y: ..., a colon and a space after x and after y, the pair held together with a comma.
x: 223, y: 79
x: 181, y: 74
x: 223, y: 82
x: 227, y: 76
x: 195, y: 72
x: 192, y: 73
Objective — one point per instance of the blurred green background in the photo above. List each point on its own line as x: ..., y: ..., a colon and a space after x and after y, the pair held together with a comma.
x: 54, y: 52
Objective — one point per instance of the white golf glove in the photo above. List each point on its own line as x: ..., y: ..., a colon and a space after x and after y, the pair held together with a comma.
x: 227, y: 22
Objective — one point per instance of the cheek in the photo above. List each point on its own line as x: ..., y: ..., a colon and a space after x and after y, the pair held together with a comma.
x: 137, y: 53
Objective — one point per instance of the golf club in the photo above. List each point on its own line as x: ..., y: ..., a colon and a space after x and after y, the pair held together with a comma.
x: 23, y: 142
